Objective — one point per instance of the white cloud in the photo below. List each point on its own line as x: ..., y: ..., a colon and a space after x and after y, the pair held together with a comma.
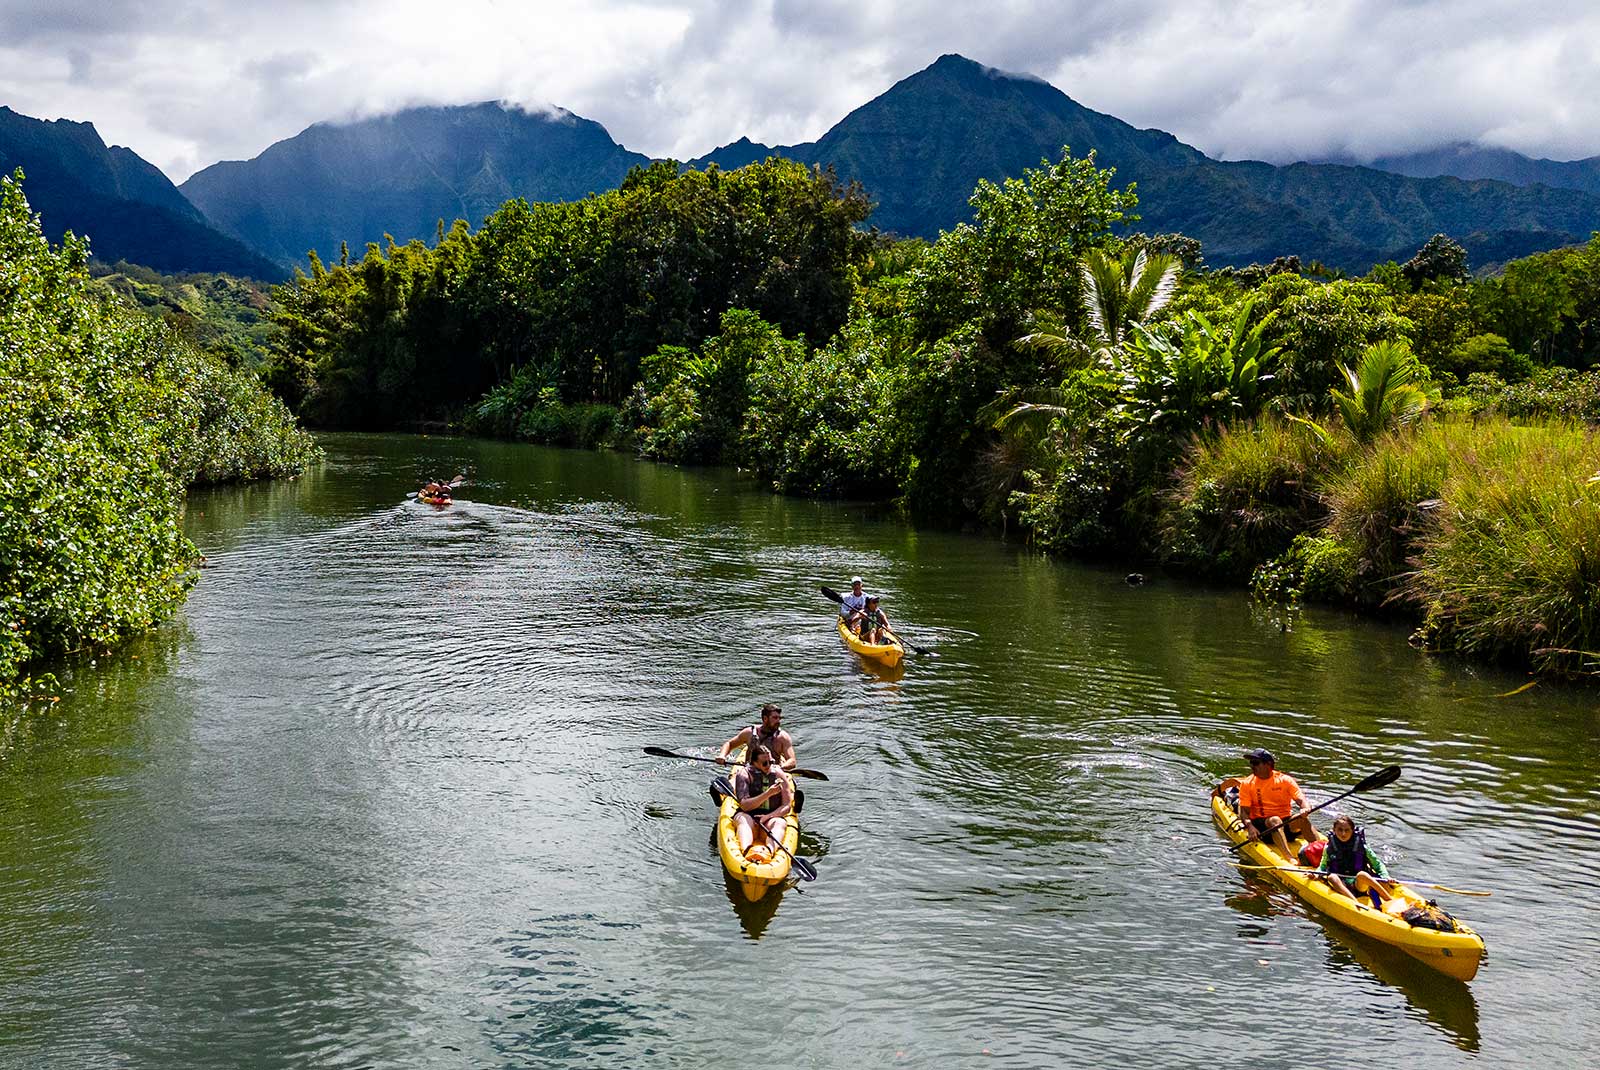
x: 186, y: 83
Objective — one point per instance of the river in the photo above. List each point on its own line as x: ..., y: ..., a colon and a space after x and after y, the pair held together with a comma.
x: 376, y: 798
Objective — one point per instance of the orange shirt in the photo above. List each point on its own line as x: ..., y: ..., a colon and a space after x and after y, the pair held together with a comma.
x: 1270, y: 797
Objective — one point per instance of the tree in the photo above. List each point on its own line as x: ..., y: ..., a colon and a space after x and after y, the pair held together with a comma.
x: 1021, y: 252
x: 1440, y: 259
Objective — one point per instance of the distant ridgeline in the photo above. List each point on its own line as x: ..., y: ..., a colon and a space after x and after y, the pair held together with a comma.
x: 127, y: 208
x: 918, y: 149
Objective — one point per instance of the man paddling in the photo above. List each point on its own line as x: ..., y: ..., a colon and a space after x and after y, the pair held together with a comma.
x: 853, y: 606
x: 1266, y: 801
x: 767, y: 733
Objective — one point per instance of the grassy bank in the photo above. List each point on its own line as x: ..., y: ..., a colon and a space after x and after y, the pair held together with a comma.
x: 1486, y: 531
x: 106, y: 416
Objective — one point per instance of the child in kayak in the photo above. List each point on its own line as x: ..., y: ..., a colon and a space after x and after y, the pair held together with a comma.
x: 874, y: 622
x: 765, y: 797
x: 1349, y: 862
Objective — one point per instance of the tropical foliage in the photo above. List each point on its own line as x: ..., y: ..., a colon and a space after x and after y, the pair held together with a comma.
x: 106, y: 415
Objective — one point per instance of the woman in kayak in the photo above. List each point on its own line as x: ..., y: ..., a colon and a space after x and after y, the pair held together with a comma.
x: 765, y: 798
x: 874, y: 622
x: 1350, y: 863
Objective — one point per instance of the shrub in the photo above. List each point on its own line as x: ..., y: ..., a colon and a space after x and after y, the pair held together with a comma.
x: 105, y: 416
x: 1243, y: 494
x: 1315, y: 568
x: 825, y: 423
x: 1488, y: 354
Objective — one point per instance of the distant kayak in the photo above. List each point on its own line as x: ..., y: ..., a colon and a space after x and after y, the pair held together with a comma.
x: 1454, y: 953
x: 888, y: 653
x: 433, y: 500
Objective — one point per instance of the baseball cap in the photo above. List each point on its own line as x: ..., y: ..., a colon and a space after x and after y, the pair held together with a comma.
x: 1260, y: 754
x: 855, y: 580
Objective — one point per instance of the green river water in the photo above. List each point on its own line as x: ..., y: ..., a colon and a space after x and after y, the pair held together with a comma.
x: 376, y: 799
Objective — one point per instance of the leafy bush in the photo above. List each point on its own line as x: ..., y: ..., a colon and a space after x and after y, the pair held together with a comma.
x: 105, y: 415
x: 1549, y: 393
x: 1315, y: 568
x: 1488, y: 354
x: 825, y: 423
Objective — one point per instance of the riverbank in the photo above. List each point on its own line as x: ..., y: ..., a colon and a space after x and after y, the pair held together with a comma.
x: 107, y: 417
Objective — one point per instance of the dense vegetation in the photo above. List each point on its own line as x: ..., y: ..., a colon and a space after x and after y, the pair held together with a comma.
x: 106, y: 415
x: 1037, y: 369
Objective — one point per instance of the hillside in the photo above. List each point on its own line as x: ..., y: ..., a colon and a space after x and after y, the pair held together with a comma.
x: 1465, y: 160
x: 126, y: 206
x: 403, y: 173
x: 921, y: 146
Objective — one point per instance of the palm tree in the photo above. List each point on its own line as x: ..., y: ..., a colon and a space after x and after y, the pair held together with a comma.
x: 1118, y: 293
x: 1385, y: 390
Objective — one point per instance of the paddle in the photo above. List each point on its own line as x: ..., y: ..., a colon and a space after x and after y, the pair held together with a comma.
x: 1381, y: 779
x: 834, y: 596
x: 1417, y: 881
x: 723, y: 786
x: 662, y: 752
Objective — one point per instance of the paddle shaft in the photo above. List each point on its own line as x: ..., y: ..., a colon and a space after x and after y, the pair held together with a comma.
x: 1420, y: 882
x: 662, y: 752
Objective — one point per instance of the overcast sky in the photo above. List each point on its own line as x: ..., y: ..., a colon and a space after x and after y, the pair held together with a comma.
x: 188, y: 82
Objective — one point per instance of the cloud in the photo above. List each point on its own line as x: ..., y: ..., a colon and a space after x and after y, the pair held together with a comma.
x: 186, y: 83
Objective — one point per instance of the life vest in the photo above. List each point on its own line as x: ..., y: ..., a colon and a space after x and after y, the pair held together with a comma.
x: 1348, y: 858
x: 756, y: 782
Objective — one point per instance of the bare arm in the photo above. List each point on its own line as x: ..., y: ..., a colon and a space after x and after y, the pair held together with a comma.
x: 786, y: 789
x: 727, y: 748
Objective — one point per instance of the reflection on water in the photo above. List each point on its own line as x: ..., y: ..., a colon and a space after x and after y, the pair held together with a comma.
x: 378, y: 798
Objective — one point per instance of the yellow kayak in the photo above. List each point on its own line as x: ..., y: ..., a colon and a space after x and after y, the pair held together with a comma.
x: 888, y: 653
x: 1456, y: 954
x: 755, y: 880
x: 430, y: 500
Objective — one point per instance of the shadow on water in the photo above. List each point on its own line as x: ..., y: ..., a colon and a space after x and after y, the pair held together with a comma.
x: 754, y: 916
x: 1444, y: 1002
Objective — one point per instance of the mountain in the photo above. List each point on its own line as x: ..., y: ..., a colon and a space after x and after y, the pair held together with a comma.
x: 921, y: 146
x: 402, y: 173
x: 126, y: 206
x: 1465, y: 160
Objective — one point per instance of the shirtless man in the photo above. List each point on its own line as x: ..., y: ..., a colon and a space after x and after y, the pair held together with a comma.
x: 769, y: 734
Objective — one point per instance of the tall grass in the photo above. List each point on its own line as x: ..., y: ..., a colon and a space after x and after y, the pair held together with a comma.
x: 1243, y: 493
x: 1511, y: 566
x: 1379, y: 502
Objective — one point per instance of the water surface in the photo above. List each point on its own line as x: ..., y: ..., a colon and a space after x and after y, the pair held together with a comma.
x: 377, y: 799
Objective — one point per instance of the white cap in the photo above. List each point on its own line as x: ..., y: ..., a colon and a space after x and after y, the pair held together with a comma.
x: 854, y: 580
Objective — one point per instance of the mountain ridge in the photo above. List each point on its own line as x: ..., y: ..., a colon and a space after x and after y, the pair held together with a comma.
x: 431, y: 163
x: 123, y: 203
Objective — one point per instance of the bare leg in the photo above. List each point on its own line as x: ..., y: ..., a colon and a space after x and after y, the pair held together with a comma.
x: 775, y: 827
x: 1339, y: 886
x: 1367, y: 883
x: 1279, y: 839
x: 744, y: 827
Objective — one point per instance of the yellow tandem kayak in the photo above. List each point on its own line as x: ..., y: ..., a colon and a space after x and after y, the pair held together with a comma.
x: 888, y: 653
x: 1456, y: 954
x: 755, y: 879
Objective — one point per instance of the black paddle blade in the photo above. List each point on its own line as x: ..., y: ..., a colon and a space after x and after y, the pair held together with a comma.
x: 661, y: 752
x: 809, y: 774
x: 1382, y: 778
x: 831, y: 595
x: 722, y: 785
x: 807, y: 870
